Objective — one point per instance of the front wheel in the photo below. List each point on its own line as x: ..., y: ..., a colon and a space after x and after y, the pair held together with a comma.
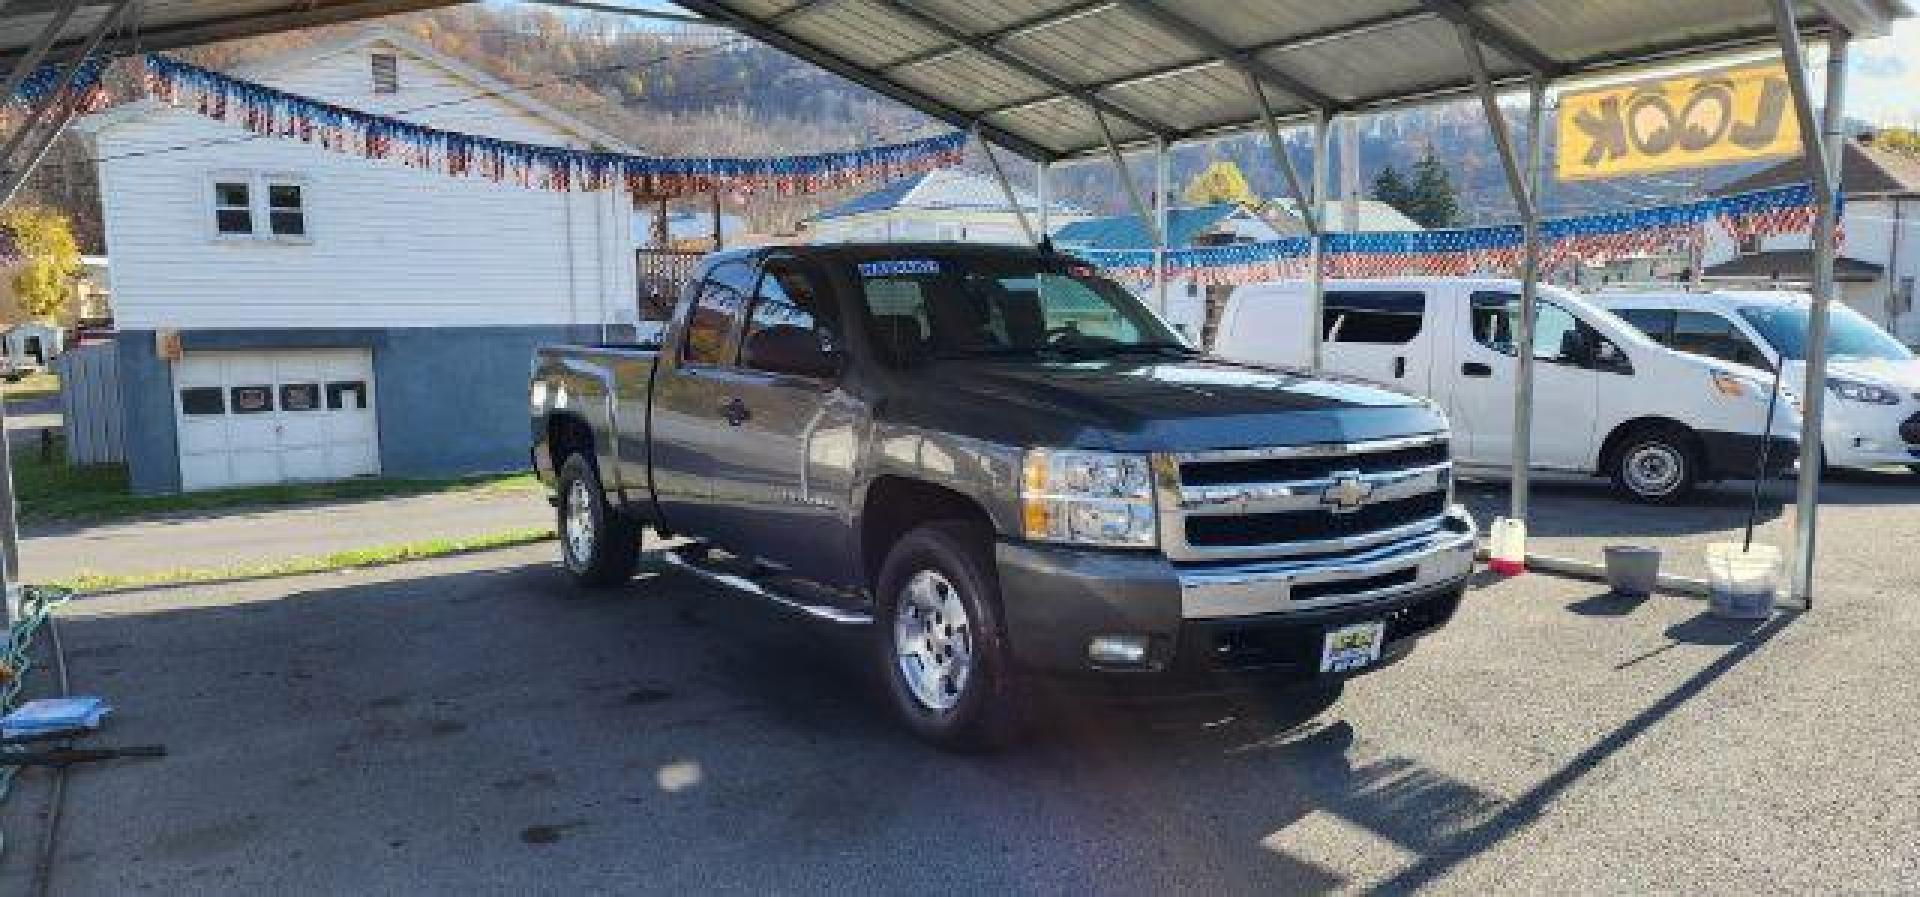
x: 1657, y: 466
x: 599, y: 545
x: 943, y: 650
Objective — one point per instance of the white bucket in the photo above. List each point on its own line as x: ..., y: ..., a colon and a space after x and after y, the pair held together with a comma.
x: 1507, y: 546
x: 1743, y: 584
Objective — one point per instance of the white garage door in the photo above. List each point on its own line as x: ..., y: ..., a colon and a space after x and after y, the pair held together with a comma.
x: 247, y: 418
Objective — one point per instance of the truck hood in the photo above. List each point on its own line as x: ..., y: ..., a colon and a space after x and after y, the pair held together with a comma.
x: 1134, y: 404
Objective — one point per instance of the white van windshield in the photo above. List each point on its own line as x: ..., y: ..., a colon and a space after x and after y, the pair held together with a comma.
x: 1849, y: 335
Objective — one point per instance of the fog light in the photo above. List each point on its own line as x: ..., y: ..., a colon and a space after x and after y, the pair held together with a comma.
x: 1118, y: 650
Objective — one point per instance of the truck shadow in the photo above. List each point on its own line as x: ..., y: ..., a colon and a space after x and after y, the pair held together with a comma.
x: 678, y: 732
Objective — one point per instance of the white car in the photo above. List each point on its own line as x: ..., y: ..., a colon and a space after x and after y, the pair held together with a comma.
x: 1873, y: 382
x: 1608, y: 401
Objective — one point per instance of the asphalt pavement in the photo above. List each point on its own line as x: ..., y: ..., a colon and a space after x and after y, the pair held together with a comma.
x: 475, y: 725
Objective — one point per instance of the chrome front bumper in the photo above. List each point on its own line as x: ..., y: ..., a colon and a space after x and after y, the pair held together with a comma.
x: 1433, y: 558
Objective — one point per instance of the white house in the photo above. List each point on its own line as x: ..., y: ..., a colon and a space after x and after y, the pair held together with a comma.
x: 1879, y: 256
x: 942, y: 204
x: 286, y: 312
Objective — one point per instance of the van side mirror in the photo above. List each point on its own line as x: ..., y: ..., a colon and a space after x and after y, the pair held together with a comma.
x: 1609, y: 357
x: 786, y: 349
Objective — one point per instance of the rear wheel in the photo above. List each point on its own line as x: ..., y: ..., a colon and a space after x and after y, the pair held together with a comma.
x: 943, y: 650
x: 1657, y: 465
x: 599, y: 545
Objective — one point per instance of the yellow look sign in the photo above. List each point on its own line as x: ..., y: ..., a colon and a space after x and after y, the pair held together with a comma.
x: 1704, y: 118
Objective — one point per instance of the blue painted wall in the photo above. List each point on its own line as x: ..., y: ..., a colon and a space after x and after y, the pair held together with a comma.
x: 450, y: 400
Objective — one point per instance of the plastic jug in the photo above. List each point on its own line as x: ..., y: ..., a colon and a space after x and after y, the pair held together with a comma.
x: 1507, y: 546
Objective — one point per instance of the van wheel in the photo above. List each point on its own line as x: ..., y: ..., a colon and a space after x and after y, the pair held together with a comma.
x: 598, y: 545
x: 943, y: 650
x: 1657, y: 465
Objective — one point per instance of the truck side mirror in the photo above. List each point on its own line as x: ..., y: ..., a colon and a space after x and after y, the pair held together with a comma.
x: 786, y: 349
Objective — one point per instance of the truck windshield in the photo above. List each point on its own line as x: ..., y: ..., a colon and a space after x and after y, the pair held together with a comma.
x: 998, y: 307
x: 1849, y: 336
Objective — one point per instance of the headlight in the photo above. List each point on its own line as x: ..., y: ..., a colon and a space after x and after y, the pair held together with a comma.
x: 1089, y: 498
x: 1855, y: 391
x: 1737, y: 386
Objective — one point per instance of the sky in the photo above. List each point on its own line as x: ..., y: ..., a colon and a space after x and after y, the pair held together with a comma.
x: 1883, y: 78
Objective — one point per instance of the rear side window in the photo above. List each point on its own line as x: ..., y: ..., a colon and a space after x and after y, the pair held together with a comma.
x: 710, y: 323
x: 1558, y: 336
x: 1656, y: 323
x: 1377, y: 317
x: 788, y: 309
x: 1705, y: 333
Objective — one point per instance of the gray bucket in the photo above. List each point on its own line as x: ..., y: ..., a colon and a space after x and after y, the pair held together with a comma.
x: 1632, y: 570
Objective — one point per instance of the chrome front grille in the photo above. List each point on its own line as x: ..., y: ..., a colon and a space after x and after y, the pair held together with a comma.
x: 1299, y: 500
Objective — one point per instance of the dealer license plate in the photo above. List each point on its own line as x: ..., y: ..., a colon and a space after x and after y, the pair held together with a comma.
x: 1352, y: 647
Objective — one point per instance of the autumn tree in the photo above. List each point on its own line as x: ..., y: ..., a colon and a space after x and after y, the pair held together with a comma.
x: 49, y: 258
x: 1220, y: 181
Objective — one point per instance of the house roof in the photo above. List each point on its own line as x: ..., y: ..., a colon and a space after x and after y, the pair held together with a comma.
x: 1128, y: 232
x: 485, y: 85
x: 942, y: 189
x: 1864, y: 170
x: 1792, y: 264
x: 1375, y: 216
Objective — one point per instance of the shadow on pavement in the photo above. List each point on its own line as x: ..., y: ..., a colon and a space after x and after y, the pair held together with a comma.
x: 500, y: 730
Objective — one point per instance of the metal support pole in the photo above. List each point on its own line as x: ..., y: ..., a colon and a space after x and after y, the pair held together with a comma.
x: 1823, y: 145
x: 1043, y: 192
x: 16, y: 175
x: 1147, y: 221
x: 1282, y: 160
x: 1006, y: 187
x: 1521, y: 183
x: 1162, y: 178
x: 1317, y: 239
x: 1349, y: 174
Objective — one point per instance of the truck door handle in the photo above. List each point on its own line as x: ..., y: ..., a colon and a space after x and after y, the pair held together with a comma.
x: 1476, y: 369
x: 1399, y: 366
x: 734, y: 410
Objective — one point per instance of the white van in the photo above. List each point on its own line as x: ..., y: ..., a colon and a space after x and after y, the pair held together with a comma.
x: 1873, y: 382
x: 1608, y: 401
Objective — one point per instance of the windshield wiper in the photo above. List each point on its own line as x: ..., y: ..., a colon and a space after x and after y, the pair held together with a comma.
x: 1174, y: 349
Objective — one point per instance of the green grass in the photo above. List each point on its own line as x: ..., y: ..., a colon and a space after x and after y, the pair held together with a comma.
x: 353, y: 559
x: 32, y: 386
x: 53, y: 491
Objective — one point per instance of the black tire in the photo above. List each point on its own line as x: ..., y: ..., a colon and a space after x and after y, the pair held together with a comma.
x: 1657, y: 465
x: 605, y: 554
x: 987, y: 709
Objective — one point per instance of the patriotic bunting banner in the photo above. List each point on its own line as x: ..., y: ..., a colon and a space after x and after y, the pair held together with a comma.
x: 1476, y: 250
x: 275, y: 113
x: 44, y: 82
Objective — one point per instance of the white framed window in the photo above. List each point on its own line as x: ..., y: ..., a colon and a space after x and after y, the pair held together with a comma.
x: 248, y: 205
x: 385, y: 69
x: 232, y: 206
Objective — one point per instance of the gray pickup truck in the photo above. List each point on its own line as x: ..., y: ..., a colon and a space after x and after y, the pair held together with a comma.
x: 1008, y: 468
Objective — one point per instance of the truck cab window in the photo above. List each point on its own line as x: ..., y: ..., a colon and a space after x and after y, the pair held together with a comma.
x: 710, y: 323
x: 787, y: 329
x: 1656, y: 323
x: 1558, y: 336
x: 1375, y: 316
x: 1706, y: 333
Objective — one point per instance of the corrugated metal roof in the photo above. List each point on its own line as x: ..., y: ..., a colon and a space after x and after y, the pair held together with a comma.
x: 169, y: 24
x: 1128, y: 232
x: 1034, y: 73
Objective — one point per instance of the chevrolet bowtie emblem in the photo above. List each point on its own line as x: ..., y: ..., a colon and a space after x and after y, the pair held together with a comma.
x: 1348, y: 493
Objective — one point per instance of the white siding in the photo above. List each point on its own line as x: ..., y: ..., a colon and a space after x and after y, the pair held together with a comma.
x: 390, y: 246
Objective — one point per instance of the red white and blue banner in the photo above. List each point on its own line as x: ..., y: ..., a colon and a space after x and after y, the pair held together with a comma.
x: 43, y: 84
x: 1475, y: 250
x: 270, y: 112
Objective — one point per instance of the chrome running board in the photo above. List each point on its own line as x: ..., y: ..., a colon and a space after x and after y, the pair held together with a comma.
x: 836, y: 615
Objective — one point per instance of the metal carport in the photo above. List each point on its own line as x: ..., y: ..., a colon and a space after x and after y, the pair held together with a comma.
x: 1055, y: 80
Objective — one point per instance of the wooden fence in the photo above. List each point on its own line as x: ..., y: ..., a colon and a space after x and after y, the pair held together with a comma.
x: 90, y: 404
